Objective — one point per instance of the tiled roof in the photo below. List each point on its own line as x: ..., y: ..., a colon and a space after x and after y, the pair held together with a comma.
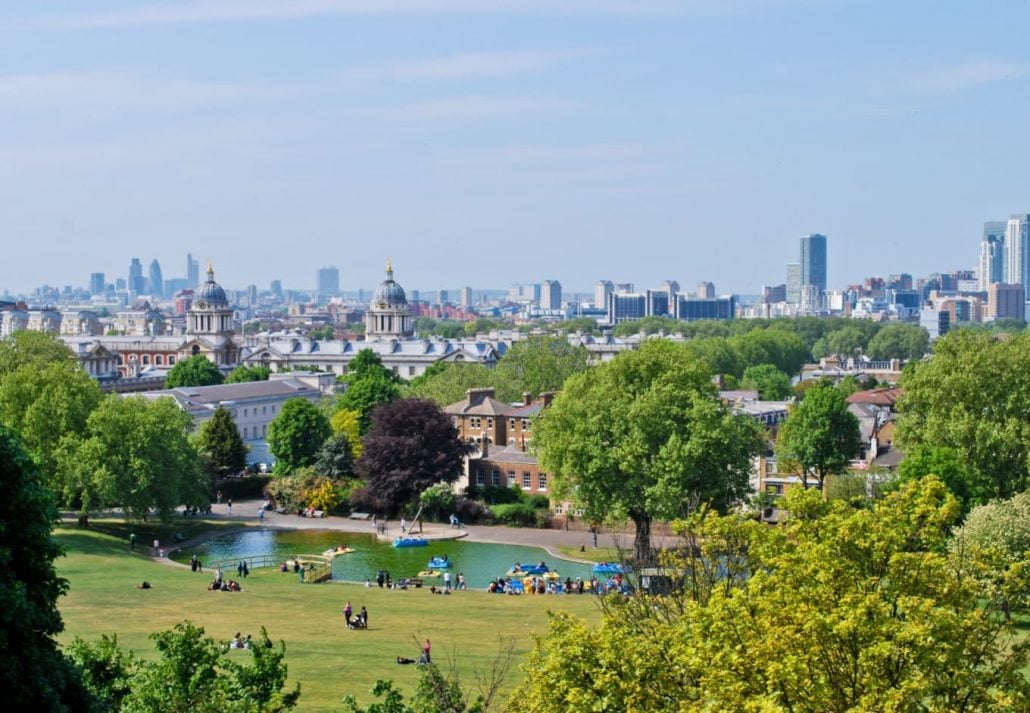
x: 876, y: 397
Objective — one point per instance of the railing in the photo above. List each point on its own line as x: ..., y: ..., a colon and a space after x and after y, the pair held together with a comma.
x: 317, y: 568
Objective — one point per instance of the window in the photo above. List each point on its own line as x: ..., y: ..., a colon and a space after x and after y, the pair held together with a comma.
x: 525, y: 424
x: 511, y: 478
x: 171, y: 360
x: 244, y: 413
x: 480, y: 480
x: 511, y: 424
x: 557, y: 509
x: 395, y: 370
x: 120, y: 360
x: 411, y: 371
x: 475, y: 422
x: 527, y: 480
x: 264, y: 410
x: 454, y: 420
x: 495, y: 477
x: 159, y: 360
x: 262, y: 430
x: 146, y: 358
x: 489, y: 422
x: 542, y: 484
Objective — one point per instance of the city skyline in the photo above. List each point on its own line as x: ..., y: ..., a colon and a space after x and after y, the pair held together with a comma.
x: 523, y: 136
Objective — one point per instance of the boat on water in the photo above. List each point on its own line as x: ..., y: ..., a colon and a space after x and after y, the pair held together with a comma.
x: 531, y: 569
x: 410, y: 542
x: 341, y: 550
x: 609, y: 568
x: 439, y: 563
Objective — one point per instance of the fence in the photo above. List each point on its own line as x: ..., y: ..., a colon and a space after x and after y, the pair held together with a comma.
x: 317, y: 568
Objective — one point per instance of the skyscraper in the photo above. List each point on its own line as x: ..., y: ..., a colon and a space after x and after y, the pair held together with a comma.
x: 276, y: 288
x: 328, y: 281
x: 794, y: 283
x: 602, y: 289
x: 1017, y: 250
x: 466, y: 297
x: 991, y: 266
x: 97, y: 286
x: 813, y: 260
x: 550, y: 294
x: 137, y: 284
x: 156, y: 286
x: 192, y: 272
x: 705, y: 290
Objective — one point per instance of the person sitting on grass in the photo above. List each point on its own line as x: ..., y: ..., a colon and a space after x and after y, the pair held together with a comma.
x: 144, y: 585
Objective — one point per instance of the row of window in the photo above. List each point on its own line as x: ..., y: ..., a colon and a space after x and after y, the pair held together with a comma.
x: 159, y: 359
x: 264, y: 411
x: 249, y: 432
x: 527, y: 479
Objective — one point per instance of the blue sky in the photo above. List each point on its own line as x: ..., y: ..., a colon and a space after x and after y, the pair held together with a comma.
x: 488, y: 142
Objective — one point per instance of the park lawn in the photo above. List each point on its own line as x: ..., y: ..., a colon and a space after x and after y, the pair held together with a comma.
x: 592, y: 554
x: 322, y: 654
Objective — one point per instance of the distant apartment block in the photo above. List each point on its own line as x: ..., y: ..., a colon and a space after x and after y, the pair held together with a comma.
x: 1005, y: 301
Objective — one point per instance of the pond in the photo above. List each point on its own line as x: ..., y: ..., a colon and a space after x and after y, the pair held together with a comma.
x: 479, y: 562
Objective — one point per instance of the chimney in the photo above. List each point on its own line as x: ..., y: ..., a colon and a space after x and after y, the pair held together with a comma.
x: 527, y: 398
x: 484, y: 447
x: 548, y: 397
x: 478, y: 396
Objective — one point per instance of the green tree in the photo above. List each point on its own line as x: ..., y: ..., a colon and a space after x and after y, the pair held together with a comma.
x: 446, y: 382
x: 194, y: 674
x: 33, y: 672
x: 243, y: 374
x: 220, y: 445
x: 136, y: 454
x: 296, y: 435
x: 947, y: 465
x: 106, y: 670
x: 720, y: 356
x: 336, y: 458
x: 536, y: 365
x: 820, y: 435
x: 973, y: 397
x: 196, y: 371
x: 581, y: 325
x: 782, y: 349
x: 899, y: 340
x: 648, y: 325
x: 347, y: 423
x: 642, y: 435
x: 770, y: 383
x: 838, y: 609
x: 364, y: 395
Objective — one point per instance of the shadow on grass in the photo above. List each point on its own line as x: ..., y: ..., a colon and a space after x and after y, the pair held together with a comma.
x: 94, y: 542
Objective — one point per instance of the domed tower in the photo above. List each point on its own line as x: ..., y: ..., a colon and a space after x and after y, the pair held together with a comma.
x: 388, y: 316
x: 210, y: 323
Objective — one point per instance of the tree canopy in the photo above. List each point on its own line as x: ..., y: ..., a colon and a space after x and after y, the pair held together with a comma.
x: 296, y: 435
x: 197, y: 370
x: 243, y: 374
x: 899, y: 340
x: 411, y: 446
x: 220, y: 445
x: 973, y: 397
x: 446, y: 382
x: 641, y: 436
x: 838, y: 609
x: 33, y: 672
x: 820, y: 435
x: 336, y: 459
x: 369, y: 384
x: 770, y: 383
x: 136, y: 454
x: 536, y: 365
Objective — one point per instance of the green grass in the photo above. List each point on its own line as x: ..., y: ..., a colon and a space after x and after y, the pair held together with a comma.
x: 322, y: 654
x: 592, y: 554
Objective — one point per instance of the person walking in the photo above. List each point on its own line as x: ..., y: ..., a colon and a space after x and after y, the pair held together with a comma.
x: 301, y: 573
x: 447, y: 581
x: 246, y: 570
x: 347, y: 611
x: 228, y: 504
x: 132, y: 540
x: 404, y: 525
x: 364, y: 617
x: 425, y: 652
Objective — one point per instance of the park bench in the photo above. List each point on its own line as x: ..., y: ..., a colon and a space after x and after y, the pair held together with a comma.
x: 360, y: 516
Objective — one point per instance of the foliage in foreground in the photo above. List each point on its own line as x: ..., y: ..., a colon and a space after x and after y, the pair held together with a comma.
x: 837, y: 610
x: 194, y: 674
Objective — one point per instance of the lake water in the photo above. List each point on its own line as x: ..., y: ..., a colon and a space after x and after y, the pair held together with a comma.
x: 479, y: 562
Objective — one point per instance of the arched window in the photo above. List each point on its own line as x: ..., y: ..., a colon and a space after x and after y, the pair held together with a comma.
x: 146, y: 359
x: 159, y: 360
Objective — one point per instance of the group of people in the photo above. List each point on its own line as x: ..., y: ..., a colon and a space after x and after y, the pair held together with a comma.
x: 195, y: 564
x: 238, y: 642
x: 242, y: 570
x: 219, y: 584
x: 355, y: 621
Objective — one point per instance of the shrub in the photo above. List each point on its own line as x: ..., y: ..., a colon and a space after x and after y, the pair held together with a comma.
x: 537, y: 502
x: 514, y: 514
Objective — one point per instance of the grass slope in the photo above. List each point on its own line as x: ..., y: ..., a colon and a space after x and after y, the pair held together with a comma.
x: 322, y: 654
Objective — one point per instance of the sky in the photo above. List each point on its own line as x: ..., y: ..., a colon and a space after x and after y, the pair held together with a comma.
x: 494, y: 142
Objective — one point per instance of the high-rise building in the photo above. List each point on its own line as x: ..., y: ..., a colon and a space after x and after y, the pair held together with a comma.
x: 813, y: 260
x: 771, y: 294
x: 328, y: 284
x: 794, y: 282
x: 192, y: 272
x: 466, y: 296
x: 626, y: 307
x: 97, y: 286
x: 1017, y: 250
x: 602, y: 289
x: 156, y: 285
x: 991, y: 265
x: 442, y: 297
x: 276, y: 288
x: 705, y: 290
x: 1005, y: 301
x: 137, y: 283
x: 550, y: 294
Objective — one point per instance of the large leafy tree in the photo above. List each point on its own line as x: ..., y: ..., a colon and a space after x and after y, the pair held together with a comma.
x: 780, y: 348
x: 820, y: 435
x: 348, y: 423
x: 136, y: 454
x: 899, y: 340
x: 412, y: 445
x: 336, y: 458
x: 642, y: 436
x: 770, y: 383
x: 220, y: 445
x: 195, y: 371
x: 538, y: 364
x: 973, y: 396
x: 446, y: 382
x: 33, y: 673
x: 837, y: 610
x: 243, y: 374
x: 194, y: 673
x: 296, y: 435
x: 369, y: 384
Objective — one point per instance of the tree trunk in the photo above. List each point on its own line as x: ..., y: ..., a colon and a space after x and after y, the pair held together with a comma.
x: 642, y: 540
